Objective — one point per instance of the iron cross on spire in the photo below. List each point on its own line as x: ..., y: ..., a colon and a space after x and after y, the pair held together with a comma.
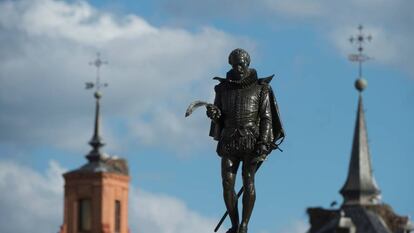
x: 360, y: 39
x: 97, y: 63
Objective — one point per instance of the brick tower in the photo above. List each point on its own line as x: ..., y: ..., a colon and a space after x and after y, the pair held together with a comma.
x: 96, y: 194
x: 96, y: 198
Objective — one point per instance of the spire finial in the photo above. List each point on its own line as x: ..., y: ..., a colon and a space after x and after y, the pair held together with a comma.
x: 95, y: 155
x: 360, y: 39
x: 361, y: 84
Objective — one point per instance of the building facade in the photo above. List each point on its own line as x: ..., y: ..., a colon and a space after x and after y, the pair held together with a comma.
x: 96, y: 198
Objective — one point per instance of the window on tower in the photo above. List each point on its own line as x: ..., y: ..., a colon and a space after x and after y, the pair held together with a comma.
x: 117, y: 216
x: 84, y: 215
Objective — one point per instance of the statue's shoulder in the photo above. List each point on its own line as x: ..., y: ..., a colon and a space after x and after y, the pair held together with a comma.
x: 266, y: 81
x: 221, y: 83
x: 221, y: 80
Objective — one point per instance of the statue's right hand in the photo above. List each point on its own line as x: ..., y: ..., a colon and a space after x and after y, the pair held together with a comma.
x: 213, y: 112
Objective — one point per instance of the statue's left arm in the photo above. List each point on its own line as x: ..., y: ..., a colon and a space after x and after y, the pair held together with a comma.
x: 271, y: 129
x: 264, y: 144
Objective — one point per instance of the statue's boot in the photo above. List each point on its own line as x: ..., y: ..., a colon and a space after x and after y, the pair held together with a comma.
x: 242, y: 229
x: 232, y: 230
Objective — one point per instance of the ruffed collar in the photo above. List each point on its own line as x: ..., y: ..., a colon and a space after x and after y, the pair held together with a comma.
x: 246, y: 82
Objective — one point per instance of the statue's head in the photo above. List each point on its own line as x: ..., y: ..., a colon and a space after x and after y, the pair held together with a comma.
x: 239, y: 59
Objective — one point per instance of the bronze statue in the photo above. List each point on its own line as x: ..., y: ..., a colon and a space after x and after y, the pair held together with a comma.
x: 246, y: 124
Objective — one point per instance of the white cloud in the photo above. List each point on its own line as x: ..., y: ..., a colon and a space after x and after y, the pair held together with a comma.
x: 153, y: 71
x: 78, y: 21
x: 301, y: 8
x: 382, y: 48
x: 298, y: 226
x: 32, y: 201
x: 164, y: 214
x: 389, y: 21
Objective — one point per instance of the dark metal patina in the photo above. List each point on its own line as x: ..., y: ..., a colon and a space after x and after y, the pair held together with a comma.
x: 246, y: 124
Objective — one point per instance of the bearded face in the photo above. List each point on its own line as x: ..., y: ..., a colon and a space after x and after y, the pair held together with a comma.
x: 239, y: 59
x: 240, y: 65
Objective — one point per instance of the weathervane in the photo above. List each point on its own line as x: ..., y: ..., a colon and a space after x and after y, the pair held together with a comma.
x: 95, y: 155
x: 97, y: 63
x: 360, y: 57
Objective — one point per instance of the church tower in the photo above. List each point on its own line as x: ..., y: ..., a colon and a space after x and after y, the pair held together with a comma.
x: 362, y: 210
x: 96, y: 194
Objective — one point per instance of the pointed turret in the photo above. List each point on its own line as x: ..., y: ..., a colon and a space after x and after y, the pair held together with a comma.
x: 360, y: 187
x: 361, y: 211
x: 96, y: 194
x: 97, y: 159
x: 95, y: 155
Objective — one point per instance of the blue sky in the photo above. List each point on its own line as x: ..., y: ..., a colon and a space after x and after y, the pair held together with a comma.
x: 162, y: 56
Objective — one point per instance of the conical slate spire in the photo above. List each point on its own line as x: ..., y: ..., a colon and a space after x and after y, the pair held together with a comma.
x: 95, y: 155
x: 360, y: 187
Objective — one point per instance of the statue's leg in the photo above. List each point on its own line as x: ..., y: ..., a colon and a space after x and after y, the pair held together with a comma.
x: 249, y: 195
x: 229, y: 166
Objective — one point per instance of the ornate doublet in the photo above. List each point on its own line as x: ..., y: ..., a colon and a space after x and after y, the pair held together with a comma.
x: 248, y: 112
